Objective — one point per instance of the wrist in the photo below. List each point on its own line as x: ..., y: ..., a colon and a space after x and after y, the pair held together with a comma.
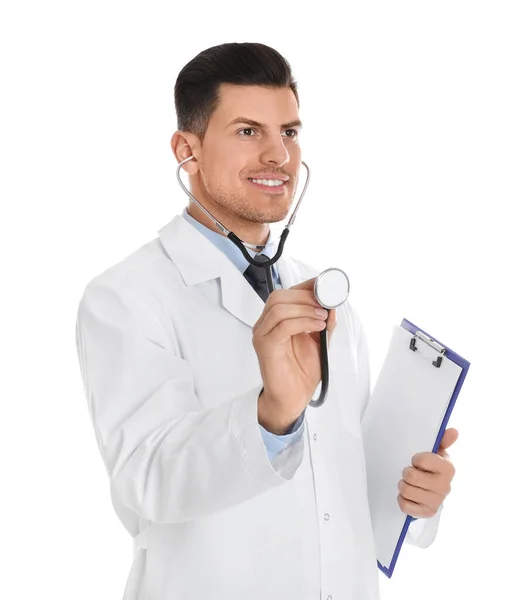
x: 271, y: 417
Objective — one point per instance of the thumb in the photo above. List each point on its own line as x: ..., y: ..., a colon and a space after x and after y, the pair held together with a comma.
x: 449, y: 438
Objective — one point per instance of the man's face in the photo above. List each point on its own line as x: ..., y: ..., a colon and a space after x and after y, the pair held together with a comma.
x: 252, y: 135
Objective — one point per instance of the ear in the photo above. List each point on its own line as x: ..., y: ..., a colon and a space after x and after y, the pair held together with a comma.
x: 185, y: 144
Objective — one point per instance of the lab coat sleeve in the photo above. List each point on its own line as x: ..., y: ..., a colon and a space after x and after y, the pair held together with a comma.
x: 168, y: 458
x: 422, y: 532
x: 276, y: 443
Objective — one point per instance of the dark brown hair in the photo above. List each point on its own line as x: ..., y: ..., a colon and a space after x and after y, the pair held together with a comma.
x: 197, y: 85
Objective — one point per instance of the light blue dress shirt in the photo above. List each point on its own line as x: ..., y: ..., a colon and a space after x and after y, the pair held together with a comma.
x: 274, y: 443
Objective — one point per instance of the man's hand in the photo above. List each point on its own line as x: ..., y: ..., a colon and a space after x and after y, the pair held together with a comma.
x: 286, y: 339
x: 427, y: 482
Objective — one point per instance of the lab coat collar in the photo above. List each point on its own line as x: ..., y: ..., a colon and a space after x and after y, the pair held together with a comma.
x: 199, y: 260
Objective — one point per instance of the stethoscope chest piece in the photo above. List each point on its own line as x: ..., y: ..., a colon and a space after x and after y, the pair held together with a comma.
x: 331, y: 288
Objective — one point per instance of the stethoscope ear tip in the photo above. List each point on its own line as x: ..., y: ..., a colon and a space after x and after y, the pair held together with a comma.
x: 179, y: 165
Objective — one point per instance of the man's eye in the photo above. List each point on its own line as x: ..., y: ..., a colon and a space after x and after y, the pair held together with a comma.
x: 293, y: 132
x: 247, y: 129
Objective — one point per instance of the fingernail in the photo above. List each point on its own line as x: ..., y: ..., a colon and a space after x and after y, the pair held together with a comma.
x: 321, y: 312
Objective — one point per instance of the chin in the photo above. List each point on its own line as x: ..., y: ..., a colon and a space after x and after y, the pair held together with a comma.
x: 274, y: 216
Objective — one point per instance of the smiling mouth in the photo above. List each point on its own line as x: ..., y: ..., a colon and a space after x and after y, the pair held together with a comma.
x: 273, y: 187
x: 268, y: 182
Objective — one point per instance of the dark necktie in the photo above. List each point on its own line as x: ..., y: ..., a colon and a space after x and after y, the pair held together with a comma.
x: 256, y: 277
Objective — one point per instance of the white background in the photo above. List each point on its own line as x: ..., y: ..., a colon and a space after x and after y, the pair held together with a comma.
x: 417, y: 125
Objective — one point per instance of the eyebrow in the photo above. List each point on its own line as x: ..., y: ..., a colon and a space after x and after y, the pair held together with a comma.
x: 245, y: 120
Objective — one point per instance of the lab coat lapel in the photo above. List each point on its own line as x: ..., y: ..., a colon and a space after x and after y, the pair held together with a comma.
x: 287, y: 272
x: 199, y: 260
x: 241, y: 299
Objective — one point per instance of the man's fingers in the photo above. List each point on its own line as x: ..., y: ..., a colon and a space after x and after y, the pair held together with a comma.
x: 331, y: 321
x: 286, y: 329
x: 331, y: 325
x: 288, y: 296
x: 301, y: 293
x: 282, y: 312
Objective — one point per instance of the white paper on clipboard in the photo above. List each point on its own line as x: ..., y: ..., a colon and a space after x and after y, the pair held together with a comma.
x: 403, y: 417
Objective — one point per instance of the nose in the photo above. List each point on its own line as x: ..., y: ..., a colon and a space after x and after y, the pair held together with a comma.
x: 275, y: 152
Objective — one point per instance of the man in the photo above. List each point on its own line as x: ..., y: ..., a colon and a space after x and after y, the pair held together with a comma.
x: 198, y: 389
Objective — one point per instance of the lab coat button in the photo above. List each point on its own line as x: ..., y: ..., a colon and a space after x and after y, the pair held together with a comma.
x: 315, y: 436
x: 329, y: 597
x: 326, y: 517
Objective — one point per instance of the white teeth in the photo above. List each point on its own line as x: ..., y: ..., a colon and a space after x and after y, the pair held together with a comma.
x: 270, y: 182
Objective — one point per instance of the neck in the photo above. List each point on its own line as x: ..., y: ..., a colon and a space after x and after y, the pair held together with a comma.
x: 250, y: 233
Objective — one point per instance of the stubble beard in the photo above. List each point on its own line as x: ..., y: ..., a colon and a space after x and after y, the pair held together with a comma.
x: 236, y: 206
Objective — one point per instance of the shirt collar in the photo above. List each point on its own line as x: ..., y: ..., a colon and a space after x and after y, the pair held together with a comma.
x: 227, y: 246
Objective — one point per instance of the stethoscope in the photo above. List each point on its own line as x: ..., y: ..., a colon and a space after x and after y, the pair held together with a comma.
x: 331, y: 287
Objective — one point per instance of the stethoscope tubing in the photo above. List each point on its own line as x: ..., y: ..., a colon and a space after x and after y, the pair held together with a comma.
x: 324, y: 356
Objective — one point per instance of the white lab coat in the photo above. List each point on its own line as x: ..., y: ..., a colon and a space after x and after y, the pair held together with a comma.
x: 164, y: 342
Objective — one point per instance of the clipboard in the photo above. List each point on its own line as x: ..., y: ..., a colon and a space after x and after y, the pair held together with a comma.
x: 407, y: 413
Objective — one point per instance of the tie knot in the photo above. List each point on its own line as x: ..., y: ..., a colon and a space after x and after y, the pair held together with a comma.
x: 256, y: 276
x: 261, y: 258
